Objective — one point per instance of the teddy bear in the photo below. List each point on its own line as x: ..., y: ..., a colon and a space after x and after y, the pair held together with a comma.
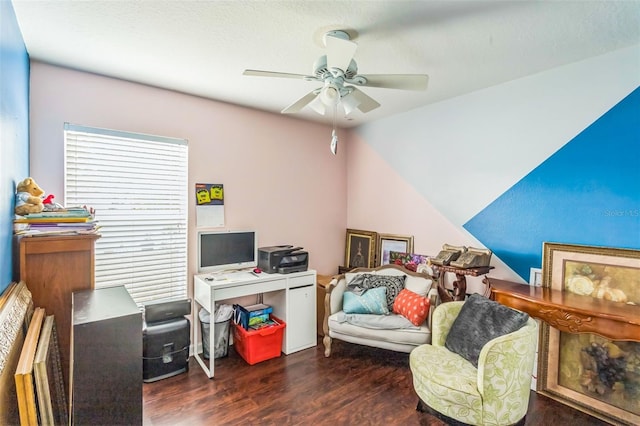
x: 28, y: 197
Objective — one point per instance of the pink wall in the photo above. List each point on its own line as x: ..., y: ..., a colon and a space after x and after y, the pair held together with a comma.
x: 278, y: 174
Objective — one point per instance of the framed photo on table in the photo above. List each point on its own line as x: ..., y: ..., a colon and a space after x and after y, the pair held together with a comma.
x: 360, y: 249
x: 413, y: 262
x: 586, y: 371
x: 535, y: 277
x: 388, y: 242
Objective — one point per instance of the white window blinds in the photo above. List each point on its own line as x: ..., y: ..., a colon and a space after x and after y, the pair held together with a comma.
x: 137, y: 185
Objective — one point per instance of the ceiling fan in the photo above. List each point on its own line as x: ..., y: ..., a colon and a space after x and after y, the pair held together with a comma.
x: 338, y: 72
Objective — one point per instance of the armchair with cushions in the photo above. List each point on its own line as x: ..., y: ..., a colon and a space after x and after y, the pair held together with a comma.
x: 470, y: 375
x: 387, y: 307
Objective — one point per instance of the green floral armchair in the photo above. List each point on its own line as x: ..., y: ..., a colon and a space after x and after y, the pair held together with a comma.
x: 495, y: 393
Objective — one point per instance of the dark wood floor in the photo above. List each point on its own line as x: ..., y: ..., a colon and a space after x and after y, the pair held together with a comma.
x: 356, y: 386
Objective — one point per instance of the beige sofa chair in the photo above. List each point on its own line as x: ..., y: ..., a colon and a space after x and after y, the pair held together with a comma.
x: 381, y: 331
x: 496, y: 392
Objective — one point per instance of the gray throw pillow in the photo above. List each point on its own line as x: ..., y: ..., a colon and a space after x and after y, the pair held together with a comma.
x: 479, y: 321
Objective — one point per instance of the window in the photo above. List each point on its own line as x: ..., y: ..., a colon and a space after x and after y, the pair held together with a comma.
x: 137, y: 185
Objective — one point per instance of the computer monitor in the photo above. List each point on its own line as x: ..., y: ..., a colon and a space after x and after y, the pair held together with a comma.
x: 227, y: 250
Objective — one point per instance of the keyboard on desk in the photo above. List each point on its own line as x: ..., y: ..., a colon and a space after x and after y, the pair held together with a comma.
x: 231, y: 277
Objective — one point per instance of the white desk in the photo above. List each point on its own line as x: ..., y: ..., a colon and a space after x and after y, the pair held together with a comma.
x: 292, y: 296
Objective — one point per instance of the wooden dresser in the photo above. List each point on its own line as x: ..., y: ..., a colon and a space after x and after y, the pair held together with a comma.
x: 53, y: 267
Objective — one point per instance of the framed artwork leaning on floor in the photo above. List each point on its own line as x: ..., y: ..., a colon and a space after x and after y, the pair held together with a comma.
x: 360, y: 249
x: 589, y: 372
x: 388, y: 242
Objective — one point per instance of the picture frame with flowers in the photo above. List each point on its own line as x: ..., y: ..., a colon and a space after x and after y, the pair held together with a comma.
x: 586, y: 371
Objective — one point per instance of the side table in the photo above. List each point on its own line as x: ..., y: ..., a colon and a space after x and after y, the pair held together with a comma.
x: 323, y: 281
x: 460, y: 284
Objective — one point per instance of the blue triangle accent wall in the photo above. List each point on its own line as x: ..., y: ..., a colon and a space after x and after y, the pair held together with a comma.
x: 14, y: 129
x: 588, y: 192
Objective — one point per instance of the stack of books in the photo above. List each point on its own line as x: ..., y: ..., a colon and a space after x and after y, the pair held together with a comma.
x: 67, y: 221
x: 253, y: 317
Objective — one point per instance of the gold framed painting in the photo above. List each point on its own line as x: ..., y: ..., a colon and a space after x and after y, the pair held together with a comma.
x: 360, y: 249
x: 586, y: 371
x: 388, y: 242
x: 52, y: 405
x: 16, y: 310
x: 23, y: 376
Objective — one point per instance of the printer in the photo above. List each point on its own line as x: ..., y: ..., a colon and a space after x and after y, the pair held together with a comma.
x: 282, y: 259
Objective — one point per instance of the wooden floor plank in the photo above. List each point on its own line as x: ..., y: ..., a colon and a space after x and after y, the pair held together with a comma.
x: 357, y: 385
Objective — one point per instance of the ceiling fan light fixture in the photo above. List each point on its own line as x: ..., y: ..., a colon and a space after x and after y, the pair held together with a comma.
x: 350, y: 103
x: 330, y: 95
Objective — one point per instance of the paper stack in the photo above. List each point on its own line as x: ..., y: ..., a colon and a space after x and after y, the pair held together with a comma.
x: 67, y: 221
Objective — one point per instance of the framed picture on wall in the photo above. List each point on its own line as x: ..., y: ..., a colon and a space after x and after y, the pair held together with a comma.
x: 388, y: 243
x: 360, y: 249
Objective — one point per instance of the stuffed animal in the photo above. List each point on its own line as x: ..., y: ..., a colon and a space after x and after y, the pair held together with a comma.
x: 28, y: 197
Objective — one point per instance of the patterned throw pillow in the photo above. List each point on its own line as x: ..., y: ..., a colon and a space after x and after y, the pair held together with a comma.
x: 393, y: 283
x: 412, y: 306
x: 373, y: 301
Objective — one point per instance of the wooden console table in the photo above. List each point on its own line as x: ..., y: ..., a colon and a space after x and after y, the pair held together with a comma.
x: 569, y: 312
x: 460, y: 284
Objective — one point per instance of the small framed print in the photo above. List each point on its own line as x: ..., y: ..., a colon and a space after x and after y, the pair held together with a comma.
x: 535, y: 277
x: 360, y: 249
x: 411, y: 261
x: 388, y: 243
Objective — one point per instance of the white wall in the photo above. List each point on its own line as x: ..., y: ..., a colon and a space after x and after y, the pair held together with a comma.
x: 278, y: 173
x: 464, y: 152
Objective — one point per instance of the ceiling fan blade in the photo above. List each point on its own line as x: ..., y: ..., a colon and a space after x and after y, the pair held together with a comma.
x: 397, y: 81
x: 300, y: 103
x: 367, y: 103
x: 258, y: 73
x: 339, y: 52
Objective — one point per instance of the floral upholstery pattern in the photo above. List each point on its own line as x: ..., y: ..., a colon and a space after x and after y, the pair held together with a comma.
x: 495, y: 393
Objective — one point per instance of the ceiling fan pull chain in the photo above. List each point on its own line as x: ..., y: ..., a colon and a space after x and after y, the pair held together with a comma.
x: 334, y: 135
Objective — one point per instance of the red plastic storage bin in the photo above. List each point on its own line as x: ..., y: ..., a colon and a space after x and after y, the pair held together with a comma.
x: 259, y: 345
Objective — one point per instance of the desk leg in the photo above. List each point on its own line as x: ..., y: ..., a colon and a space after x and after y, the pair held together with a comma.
x: 197, y: 330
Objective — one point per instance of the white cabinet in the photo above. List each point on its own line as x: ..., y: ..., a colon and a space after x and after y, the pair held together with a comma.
x: 292, y: 296
x: 301, y: 309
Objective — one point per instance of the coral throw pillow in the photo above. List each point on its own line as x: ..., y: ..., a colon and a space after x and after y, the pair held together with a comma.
x: 411, y: 306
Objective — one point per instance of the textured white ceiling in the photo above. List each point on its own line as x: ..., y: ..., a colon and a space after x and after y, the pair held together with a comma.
x: 202, y: 47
